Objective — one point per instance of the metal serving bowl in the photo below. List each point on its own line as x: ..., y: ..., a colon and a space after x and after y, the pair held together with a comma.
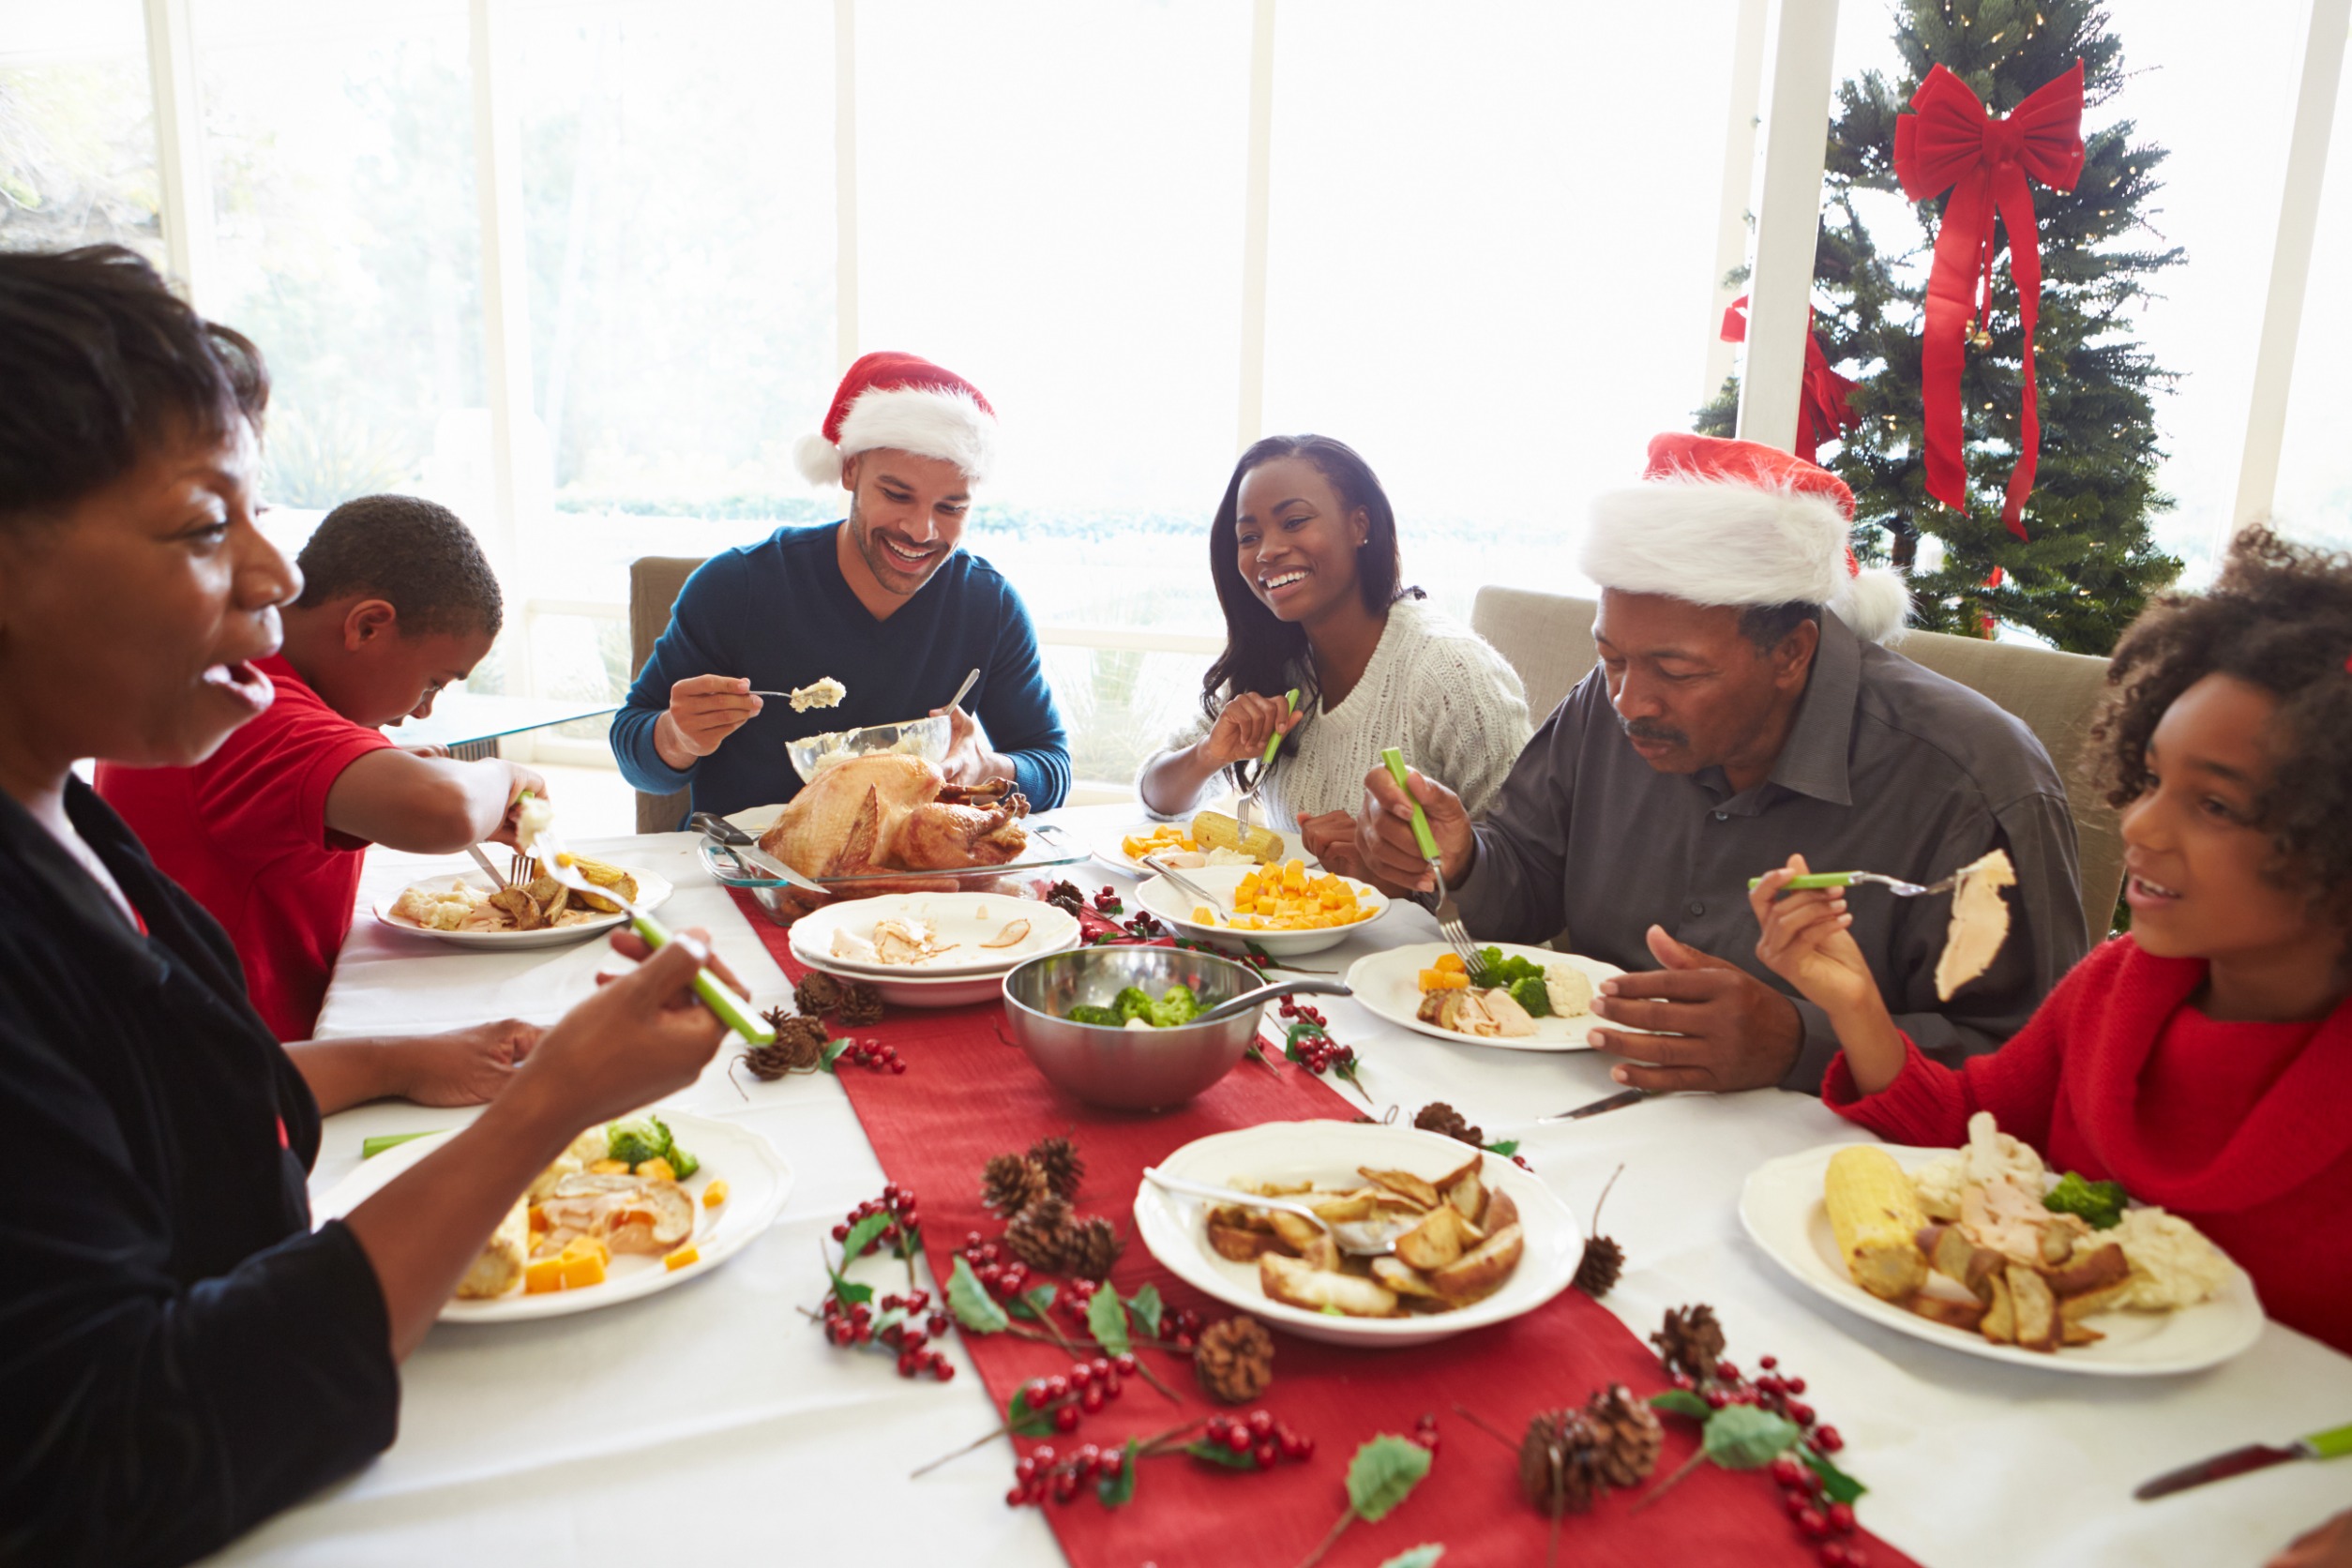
x: 1132, y: 1069
x: 925, y: 738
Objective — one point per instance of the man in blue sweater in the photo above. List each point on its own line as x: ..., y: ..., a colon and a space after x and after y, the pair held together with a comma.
x: 884, y: 602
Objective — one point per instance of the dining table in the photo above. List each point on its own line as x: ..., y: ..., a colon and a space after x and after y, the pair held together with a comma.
x: 714, y: 1424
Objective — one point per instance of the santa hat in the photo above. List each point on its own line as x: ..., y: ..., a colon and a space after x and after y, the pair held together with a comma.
x: 1736, y: 523
x: 904, y: 401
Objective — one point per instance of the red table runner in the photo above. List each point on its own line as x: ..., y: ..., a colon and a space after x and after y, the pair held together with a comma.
x: 969, y: 1094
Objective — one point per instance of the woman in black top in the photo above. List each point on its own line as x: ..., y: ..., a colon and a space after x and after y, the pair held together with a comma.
x: 181, y: 1355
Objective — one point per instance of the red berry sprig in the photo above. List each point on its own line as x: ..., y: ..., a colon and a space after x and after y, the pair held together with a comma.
x: 872, y: 1055
x: 1425, y: 1432
x: 902, y: 1328
x: 1254, y: 1443
x: 1307, y: 1041
x: 1819, y: 1517
x: 905, y: 1218
x: 1107, y: 902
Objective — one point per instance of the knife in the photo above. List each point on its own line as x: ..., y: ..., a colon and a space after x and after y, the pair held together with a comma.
x: 746, y: 848
x: 1618, y: 1101
x: 2332, y: 1444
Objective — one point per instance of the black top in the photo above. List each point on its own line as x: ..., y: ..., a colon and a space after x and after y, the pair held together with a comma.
x: 181, y: 1356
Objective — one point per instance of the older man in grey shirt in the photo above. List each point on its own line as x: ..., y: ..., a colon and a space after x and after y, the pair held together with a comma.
x: 1713, y: 741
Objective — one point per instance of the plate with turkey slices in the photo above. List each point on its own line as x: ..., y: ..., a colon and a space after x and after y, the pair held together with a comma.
x: 905, y: 936
x: 1475, y: 1240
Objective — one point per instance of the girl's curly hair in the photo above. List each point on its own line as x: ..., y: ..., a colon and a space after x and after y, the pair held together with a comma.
x: 2279, y: 618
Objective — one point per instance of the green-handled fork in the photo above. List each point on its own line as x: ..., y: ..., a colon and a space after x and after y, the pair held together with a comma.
x: 1449, y: 913
x: 550, y: 853
x: 1243, y: 807
x: 1895, y: 885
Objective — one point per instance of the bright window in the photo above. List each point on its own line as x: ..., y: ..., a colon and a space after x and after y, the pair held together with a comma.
x: 2313, y: 499
x: 77, y: 127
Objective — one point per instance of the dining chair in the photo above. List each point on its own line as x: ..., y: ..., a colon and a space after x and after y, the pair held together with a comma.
x: 1548, y: 637
x: 654, y: 584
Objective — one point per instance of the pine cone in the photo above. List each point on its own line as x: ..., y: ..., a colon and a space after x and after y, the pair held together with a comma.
x: 1597, y: 1271
x: 861, y: 1004
x: 1094, y: 1247
x: 1040, y: 1234
x: 817, y: 994
x: 1691, y: 1341
x: 800, y: 1046
x: 1629, y: 1434
x: 1065, y: 896
x: 1057, y: 1157
x: 1438, y: 1117
x: 1234, y: 1359
x: 1010, y: 1185
x: 1561, y: 1468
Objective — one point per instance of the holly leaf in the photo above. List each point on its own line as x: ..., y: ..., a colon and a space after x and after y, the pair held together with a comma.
x: 1742, y: 1437
x: 1507, y: 1148
x: 1032, y: 1303
x: 889, y: 1320
x: 833, y: 1052
x: 849, y: 1292
x: 970, y: 1300
x: 1024, y: 1422
x: 1107, y: 1320
x: 1146, y: 1308
x: 1117, y: 1489
x: 1419, y: 1557
x: 1680, y: 1401
x: 1218, y: 1454
x: 1838, y: 1486
x: 1383, y: 1473
x: 862, y: 1235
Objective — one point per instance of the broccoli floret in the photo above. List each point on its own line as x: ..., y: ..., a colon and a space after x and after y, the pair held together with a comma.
x: 1131, y: 1003
x: 1086, y: 1012
x: 683, y: 1163
x: 1176, y: 1005
x: 1531, y: 992
x: 2099, y: 1202
x: 1496, y: 970
x: 635, y: 1139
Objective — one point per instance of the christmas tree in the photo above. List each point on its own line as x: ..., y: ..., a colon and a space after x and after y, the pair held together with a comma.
x: 2089, y: 562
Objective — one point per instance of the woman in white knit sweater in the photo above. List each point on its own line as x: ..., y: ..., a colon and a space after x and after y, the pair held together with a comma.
x: 1305, y: 556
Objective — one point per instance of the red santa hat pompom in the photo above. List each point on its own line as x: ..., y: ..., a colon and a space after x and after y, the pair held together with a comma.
x: 1736, y: 523
x: 903, y: 402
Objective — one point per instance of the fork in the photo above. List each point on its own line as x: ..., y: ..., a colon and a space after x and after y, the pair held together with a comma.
x: 1449, y: 913
x: 1248, y: 800
x: 1895, y: 885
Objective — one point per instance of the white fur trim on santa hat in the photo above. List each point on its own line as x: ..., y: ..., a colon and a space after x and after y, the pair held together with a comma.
x: 927, y: 421
x: 1717, y: 543
x: 1875, y: 603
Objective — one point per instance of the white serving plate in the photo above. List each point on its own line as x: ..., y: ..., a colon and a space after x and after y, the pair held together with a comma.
x: 964, y: 919
x: 653, y: 891
x: 1389, y: 983
x: 1175, y: 906
x: 758, y: 1182
x: 907, y: 990
x: 1782, y: 1209
x: 1110, y: 849
x: 1176, y: 1228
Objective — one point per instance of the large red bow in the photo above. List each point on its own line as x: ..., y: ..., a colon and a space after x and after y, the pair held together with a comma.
x: 1823, y: 415
x: 1949, y: 141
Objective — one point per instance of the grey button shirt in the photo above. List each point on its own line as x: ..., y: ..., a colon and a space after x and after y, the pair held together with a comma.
x: 1889, y: 767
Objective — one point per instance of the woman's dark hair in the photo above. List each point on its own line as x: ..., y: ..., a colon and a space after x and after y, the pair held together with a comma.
x: 1262, y: 649
x: 2280, y: 618
x: 103, y: 361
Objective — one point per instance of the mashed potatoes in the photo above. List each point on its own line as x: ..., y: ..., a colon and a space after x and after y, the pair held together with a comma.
x: 440, y: 909
x: 2173, y: 1265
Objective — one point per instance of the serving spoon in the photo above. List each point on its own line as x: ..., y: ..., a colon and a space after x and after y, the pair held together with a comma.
x: 1356, y: 1238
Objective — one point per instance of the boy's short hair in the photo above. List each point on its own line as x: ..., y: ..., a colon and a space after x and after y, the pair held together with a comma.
x: 104, y: 363
x: 2279, y: 617
x: 413, y: 553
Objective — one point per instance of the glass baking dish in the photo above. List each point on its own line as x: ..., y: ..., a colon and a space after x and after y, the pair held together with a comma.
x: 1049, y: 848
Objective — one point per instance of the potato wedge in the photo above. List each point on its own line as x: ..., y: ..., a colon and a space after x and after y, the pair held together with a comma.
x: 1481, y: 1270
x: 2089, y: 1269
x: 2073, y: 1333
x: 2037, y: 1309
x: 1468, y: 1170
x: 1439, y: 1239
x: 1238, y: 1217
x: 2090, y: 1303
x: 1294, y: 1284
x: 1241, y: 1245
x: 1468, y: 1195
x: 1308, y: 1240
x: 1403, y: 1280
x: 1945, y: 1310
x: 1403, y: 1182
x: 1347, y: 1207
x: 1999, y: 1322
x: 1951, y: 1254
x: 1501, y: 1212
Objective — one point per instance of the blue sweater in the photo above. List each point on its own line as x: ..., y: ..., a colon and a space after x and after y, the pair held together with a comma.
x: 780, y: 615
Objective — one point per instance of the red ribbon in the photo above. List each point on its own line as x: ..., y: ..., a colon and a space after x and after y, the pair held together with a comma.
x: 1949, y: 141
x: 1823, y: 413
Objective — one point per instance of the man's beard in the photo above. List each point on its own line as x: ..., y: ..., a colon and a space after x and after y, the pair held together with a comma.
x: 887, y: 568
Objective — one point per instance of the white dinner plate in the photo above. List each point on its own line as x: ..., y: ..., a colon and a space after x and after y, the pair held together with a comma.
x: 1782, y: 1207
x: 653, y: 891
x: 1389, y: 983
x: 910, y: 990
x: 1175, y: 906
x: 758, y: 1182
x: 1176, y: 1230
x: 1110, y: 849
x: 965, y: 920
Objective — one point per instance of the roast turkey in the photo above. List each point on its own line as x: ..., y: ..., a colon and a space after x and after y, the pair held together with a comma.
x: 893, y: 812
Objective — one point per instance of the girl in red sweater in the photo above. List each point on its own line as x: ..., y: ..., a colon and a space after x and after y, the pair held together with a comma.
x: 2205, y: 1059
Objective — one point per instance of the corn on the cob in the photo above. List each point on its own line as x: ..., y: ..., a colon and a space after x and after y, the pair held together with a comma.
x: 1876, y: 1218
x: 1213, y: 830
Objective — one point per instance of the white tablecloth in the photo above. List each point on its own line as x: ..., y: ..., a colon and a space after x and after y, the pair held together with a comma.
x: 713, y: 1424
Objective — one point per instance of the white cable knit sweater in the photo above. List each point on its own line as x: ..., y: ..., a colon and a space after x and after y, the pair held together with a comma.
x: 1435, y: 689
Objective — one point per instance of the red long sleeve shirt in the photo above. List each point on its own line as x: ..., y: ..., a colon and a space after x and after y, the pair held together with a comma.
x: 2242, y: 1129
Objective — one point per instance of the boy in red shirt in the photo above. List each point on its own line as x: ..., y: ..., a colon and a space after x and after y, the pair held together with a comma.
x: 269, y: 833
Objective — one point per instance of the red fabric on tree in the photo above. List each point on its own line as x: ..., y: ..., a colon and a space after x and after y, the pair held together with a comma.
x: 969, y: 1094
x: 1949, y: 142
x: 2240, y: 1128
x: 1824, y: 413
